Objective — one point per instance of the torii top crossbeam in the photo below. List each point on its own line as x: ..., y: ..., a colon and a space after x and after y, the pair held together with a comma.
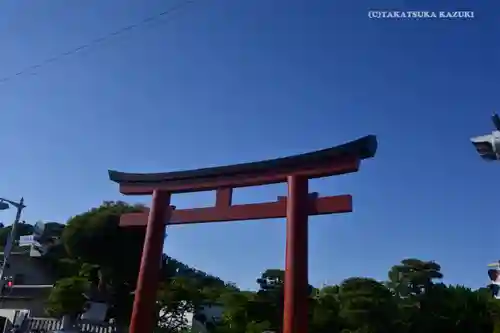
x: 322, y: 163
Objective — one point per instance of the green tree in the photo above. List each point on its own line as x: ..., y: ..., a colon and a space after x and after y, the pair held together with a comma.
x: 237, y: 311
x: 176, y: 299
x: 466, y: 310
x: 411, y: 282
x: 95, y: 238
x: 54, y: 229
x: 267, y: 305
x: 325, y: 311
x: 413, y: 277
x: 67, y: 297
x: 257, y: 327
x: 367, y: 305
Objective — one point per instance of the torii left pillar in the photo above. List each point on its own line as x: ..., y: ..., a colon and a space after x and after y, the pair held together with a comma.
x: 144, y: 310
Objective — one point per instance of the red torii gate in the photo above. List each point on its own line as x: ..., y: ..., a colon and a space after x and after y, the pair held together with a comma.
x: 296, y: 207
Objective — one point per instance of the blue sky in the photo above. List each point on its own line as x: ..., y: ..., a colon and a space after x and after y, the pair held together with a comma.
x: 222, y: 82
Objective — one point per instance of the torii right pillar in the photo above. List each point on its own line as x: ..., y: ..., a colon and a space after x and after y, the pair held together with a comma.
x: 295, y: 309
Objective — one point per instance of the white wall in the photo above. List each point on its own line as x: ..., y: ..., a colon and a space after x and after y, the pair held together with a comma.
x: 8, y: 313
x: 212, y: 314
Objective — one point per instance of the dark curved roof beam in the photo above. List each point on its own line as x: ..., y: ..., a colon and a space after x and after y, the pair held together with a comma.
x: 327, y: 162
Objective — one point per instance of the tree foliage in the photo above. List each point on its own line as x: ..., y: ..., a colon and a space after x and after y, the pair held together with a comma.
x: 411, y: 301
x: 96, y: 254
x: 67, y: 297
x: 96, y: 249
x: 413, y: 277
x: 176, y: 299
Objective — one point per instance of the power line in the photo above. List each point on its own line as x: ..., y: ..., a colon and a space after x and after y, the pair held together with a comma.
x: 94, y: 42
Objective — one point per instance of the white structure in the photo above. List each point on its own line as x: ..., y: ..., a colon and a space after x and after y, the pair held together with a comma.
x: 26, y: 240
x: 494, y: 274
x: 488, y: 146
x: 207, y: 314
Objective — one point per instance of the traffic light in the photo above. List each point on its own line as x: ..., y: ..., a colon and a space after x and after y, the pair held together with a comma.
x: 7, y: 286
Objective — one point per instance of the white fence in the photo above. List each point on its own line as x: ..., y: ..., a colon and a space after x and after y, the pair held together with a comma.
x: 51, y: 324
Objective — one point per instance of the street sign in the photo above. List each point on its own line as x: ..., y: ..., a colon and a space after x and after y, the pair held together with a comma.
x: 26, y: 240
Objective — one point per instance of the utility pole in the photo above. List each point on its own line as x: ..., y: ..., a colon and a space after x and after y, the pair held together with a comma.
x: 12, y: 237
